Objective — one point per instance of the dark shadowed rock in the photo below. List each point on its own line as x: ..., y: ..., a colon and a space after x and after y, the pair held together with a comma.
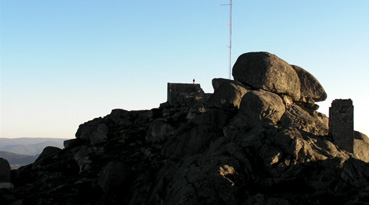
x: 46, y: 156
x: 82, y: 158
x: 5, y: 175
x: 195, y: 187
x: 48, y: 151
x: 215, y: 116
x: 70, y: 143
x: 113, y: 176
x: 4, y: 170
x: 120, y: 116
x: 189, y: 143
x: 100, y: 135
x: 94, y: 131
x: 268, y: 72
x: 158, y: 131
x: 227, y: 94
x: 260, y: 199
x: 310, y: 88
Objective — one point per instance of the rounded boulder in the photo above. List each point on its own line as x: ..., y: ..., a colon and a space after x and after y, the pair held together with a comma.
x: 227, y: 95
x: 263, y: 70
x: 260, y: 105
x: 309, y: 86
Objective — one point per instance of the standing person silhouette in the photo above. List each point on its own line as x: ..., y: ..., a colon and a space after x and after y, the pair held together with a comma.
x: 193, y: 81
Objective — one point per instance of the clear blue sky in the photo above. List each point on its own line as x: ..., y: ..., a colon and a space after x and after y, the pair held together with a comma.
x: 67, y: 62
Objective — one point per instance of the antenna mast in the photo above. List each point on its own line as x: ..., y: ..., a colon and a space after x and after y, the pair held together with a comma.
x: 230, y: 39
x: 230, y: 36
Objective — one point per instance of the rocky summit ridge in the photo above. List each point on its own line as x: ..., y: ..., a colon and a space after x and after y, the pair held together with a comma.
x: 257, y: 139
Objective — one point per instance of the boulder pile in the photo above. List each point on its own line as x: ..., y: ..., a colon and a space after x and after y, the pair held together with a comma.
x: 258, y: 139
x: 262, y: 70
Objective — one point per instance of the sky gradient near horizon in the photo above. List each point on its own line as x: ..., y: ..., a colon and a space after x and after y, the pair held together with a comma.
x: 66, y: 62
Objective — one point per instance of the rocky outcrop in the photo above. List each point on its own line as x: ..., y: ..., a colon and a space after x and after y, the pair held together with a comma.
x: 262, y: 70
x: 311, y: 122
x: 245, y: 145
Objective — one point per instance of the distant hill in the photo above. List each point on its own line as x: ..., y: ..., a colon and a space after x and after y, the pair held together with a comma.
x: 23, y: 151
x: 29, y: 146
x: 17, y: 160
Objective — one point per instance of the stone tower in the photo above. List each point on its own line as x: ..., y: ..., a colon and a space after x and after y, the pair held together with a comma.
x: 341, y: 123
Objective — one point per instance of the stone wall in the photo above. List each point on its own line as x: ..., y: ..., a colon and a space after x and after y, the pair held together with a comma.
x: 176, y: 89
x: 341, y: 123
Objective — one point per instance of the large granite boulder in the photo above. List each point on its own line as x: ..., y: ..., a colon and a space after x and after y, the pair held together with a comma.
x: 262, y: 70
x: 361, y: 146
x: 310, y: 87
x: 218, y: 82
x: 361, y: 136
x: 257, y: 107
x: 260, y: 105
x: 227, y: 94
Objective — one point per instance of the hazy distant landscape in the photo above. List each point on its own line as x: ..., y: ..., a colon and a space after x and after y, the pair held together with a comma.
x: 23, y: 151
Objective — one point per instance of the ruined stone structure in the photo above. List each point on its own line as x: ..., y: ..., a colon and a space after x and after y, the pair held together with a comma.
x: 341, y: 123
x: 180, y: 89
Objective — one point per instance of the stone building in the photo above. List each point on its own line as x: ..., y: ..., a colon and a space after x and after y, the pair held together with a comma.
x: 180, y: 89
x: 341, y: 123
